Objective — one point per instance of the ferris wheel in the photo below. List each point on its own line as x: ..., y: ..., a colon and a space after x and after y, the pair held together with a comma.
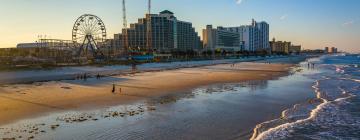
x: 89, y: 34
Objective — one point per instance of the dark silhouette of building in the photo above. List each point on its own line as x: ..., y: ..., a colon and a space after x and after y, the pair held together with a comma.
x: 168, y: 34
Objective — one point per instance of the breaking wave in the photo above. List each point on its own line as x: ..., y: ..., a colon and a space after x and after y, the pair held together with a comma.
x: 334, y: 114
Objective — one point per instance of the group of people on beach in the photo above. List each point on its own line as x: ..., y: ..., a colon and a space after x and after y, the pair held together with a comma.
x: 311, y: 65
x: 85, y: 76
x: 82, y: 77
x: 98, y: 76
x: 234, y: 64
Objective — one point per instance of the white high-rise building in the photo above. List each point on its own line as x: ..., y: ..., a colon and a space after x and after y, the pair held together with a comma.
x: 254, y: 36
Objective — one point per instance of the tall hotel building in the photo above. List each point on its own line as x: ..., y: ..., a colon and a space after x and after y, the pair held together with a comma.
x: 255, y: 36
x: 221, y: 39
x: 168, y: 34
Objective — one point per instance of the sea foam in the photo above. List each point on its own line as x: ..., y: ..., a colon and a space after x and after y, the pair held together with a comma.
x: 333, y: 115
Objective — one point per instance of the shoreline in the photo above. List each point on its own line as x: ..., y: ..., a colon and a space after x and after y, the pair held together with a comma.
x: 70, y: 73
x: 325, y: 115
x: 41, y: 66
x: 19, y: 99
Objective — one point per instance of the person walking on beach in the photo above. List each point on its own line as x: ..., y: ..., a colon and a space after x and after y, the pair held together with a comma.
x: 133, y: 67
x: 85, y: 77
x: 113, y: 89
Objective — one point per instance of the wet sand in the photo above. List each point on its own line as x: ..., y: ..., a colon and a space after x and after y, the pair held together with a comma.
x: 31, y: 100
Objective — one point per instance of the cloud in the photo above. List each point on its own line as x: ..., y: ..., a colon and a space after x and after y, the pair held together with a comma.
x: 348, y: 23
x: 283, y: 17
x: 239, y: 1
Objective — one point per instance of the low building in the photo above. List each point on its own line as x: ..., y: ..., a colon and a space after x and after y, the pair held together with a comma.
x: 119, y: 44
x: 295, y: 49
x: 114, y: 47
x: 50, y: 49
x: 279, y: 47
x: 48, y: 43
x: 29, y: 45
x: 284, y: 47
x: 317, y: 51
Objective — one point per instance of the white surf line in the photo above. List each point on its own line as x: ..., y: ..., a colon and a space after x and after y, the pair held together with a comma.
x: 355, y: 80
x: 312, y: 114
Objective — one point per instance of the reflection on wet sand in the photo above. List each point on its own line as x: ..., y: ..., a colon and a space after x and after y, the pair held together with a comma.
x: 211, y: 104
x: 221, y: 88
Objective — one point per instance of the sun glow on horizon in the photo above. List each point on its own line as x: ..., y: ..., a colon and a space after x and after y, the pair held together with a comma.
x: 308, y: 25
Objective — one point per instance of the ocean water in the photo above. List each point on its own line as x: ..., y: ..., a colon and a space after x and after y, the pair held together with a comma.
x: 334, y: 114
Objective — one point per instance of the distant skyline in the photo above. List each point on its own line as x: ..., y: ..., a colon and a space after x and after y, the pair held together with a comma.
x: 310, y: 23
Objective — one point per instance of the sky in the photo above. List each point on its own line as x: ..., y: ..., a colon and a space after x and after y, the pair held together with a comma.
x: 311, y: 23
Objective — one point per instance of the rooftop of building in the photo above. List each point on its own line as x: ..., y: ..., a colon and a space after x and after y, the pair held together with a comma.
x: 166, y: 12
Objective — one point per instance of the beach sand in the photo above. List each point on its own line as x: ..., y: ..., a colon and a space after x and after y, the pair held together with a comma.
x: 21, y: 101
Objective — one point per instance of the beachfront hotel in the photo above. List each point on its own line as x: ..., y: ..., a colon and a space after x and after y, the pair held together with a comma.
x: 254, y: 36
x: 284, y: 47
x: 330, y: 50
x: 251, y: 38
x: 168, y: 34
x: 221, y: 39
